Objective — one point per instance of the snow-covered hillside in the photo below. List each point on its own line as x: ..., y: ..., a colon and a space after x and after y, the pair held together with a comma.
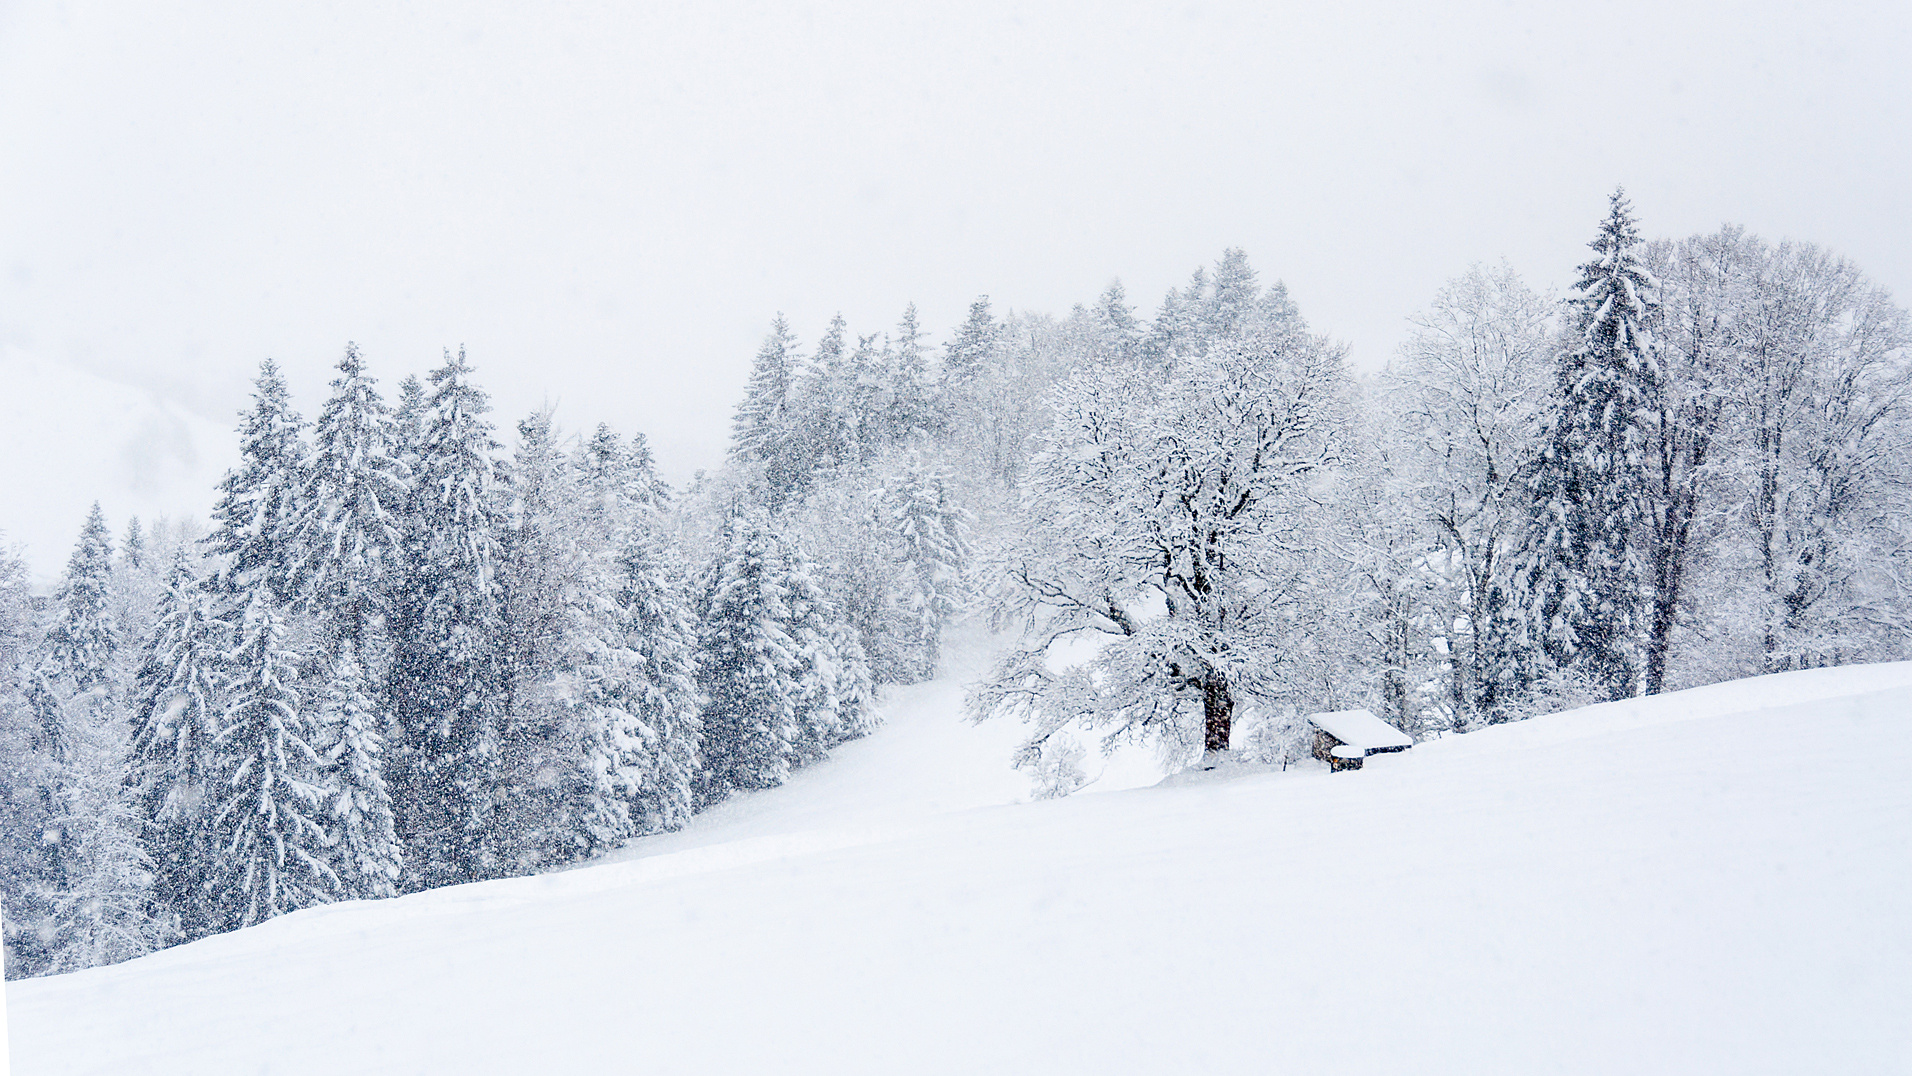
x: 1713, y: 881
x: 128, y: 449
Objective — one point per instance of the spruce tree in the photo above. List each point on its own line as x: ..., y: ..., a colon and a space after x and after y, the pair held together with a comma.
x: 345, y: 532
x: 258, y: 501
x: 765, y: 430
x: 931, y: 550
x: 655, y: 740
x: 969, y: 353
x: 23, y: 813
x: 72, y: 692
x: 1117, y: 333
x: 1586, y: 586
x: 268, y: 790
x: 912, y: 405
x: 663, y: 692
x: 568, y: 744
x: 748, y: 666
x: 446, y: 683
x: 84, y: 637
x: 176, y: 706
x: 831, y: 676
x: 102, y: 913
x: 365, y: 853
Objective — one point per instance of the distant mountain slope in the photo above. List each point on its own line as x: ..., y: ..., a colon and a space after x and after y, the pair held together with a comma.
x: 69, y: 438
x: 1711, y: 881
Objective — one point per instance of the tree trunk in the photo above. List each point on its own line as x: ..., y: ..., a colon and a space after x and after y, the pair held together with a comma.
x: 1669, y: 585
x: 1218, y: 712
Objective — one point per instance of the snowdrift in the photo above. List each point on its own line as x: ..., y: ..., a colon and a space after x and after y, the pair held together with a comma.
x: 1711, y: 881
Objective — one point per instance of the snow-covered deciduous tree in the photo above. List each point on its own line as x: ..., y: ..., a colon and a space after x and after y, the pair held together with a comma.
x: 271, y: 843
x: 1157, y: 520
x: 1457, y: 411
x: 1704, y: 300
x: 1830, y: 461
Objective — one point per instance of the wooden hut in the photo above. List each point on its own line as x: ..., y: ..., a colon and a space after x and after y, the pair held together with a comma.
x: 1342, y: 738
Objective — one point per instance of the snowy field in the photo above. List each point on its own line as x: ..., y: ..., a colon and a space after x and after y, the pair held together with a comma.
x: 1709, y: 882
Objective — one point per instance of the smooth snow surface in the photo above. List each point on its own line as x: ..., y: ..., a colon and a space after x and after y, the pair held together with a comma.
x: 1709, y: 882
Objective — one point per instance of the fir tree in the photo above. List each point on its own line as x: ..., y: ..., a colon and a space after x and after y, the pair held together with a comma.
x: 765, y: 429
x: 133, y: 546
x: 72, y: 695
x: 81, y: 644
x: 655, y: 739
x: 663, y: 692
x: 365, y: 853
x: 269, y: 792
x: 568, y: 746
x: 1586, y: 587
x: 971, y: 350
x: 748, y: 665
x: 175, y: 706
x: 446, y: 682
x: 345, y: 533
x: 258, y: 501
x: 23, y: 811
x: 1118, y: 334
x: 102, y: 912
x: 931, y: 551
x: 831, y: 678
x: 912, y: 406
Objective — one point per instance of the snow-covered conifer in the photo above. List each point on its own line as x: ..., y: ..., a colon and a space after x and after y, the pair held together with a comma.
x: 748, y: 666
x: 1584, y: 584
x: 258, y: 500
x: 927, y: 526
x: 345, y: 534
x: 446, y: 681
x: 102, y: 911
x: 969, y: 353
x: 84, y: 637
x: 364, y: 854
x: 176, y: 706
x: 568, y: 748
x: 271, y: 843
x: 73, y: 692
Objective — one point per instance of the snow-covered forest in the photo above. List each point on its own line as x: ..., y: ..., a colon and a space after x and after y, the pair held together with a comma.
x: 404, y: 654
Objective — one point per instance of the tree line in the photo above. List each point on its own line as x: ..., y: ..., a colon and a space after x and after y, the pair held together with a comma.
x: 1695, y: 466
x: 400, y: 657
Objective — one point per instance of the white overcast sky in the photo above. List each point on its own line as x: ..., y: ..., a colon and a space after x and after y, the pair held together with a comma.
x: 607, y: 202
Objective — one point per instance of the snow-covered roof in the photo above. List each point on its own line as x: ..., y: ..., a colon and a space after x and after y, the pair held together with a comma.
x: 1360, y: 728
